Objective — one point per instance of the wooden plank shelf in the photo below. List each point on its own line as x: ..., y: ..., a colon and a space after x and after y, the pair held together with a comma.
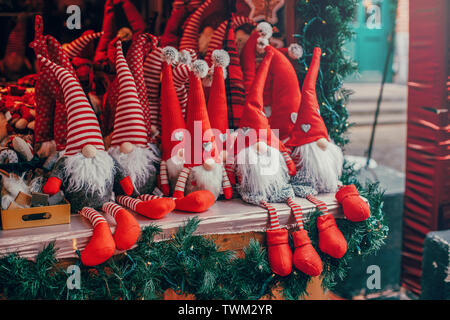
x: 225, y: 217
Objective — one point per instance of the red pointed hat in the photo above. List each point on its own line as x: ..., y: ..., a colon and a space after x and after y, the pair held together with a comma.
x: 309, y: 126
x: 82, y: 124
x: 217, y: 101
x: 172, y: 121
x: 79, y: 47
x: 253, y: 116
x: 204, y: 145
x: 129, y: 124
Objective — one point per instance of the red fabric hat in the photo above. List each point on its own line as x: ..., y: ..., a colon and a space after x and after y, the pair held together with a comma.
x: 253, y: 116
x: 197, y: 111
x: 247, y: 59
x: 16, y: 39
x: 285, y: 95
x: 79, y: 47
x: 309, y: 126
x: 129, y: 125
x: 189, y: 40
x: 82, y: 123
x: 172, y: 121
x: 152, y: 77
x: 181, y: 77
x: 217, y: 101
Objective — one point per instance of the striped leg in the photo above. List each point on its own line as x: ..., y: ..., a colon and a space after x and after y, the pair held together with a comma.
x: 181, y: 183
x: 148, y: 197
x: 93, y: 216
x: 127, y: 228
x: 101, y: 246
x: 128, y: 202
x: 273, y: 216
x: 297, y: 211
x: 229, y: 168
x: 226, y: 185
x: 156, y: 207
x: 319, y: 204
x: 289, y: 163
x: 164, y: 178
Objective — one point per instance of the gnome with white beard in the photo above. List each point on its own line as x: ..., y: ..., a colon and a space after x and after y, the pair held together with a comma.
x: 130, y: 148
x: 88, y: 175
x: 263, y: 169
x: 203, y: 177
x: 319, y: 166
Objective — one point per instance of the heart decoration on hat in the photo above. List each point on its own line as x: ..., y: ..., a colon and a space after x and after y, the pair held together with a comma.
x: 306, y: 127
x: 207, y: 146
x: 179, y: 135
x: 223, y: 137
x: 294, y: 116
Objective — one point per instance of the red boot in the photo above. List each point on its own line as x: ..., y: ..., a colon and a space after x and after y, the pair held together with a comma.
x: 127, y: 230
x: 280, y: 254
x: 101, y: 246
x: 156, y: 208
x: 306, y: 258
x: 354, y: 207
x: 331, y: 240
x: 197, y: 201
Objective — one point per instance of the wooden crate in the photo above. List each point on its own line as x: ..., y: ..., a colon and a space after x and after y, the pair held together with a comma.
x: 20, y: 218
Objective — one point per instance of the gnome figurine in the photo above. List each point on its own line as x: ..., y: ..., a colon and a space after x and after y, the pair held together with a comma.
x: 263, y: 167
x: 319, y: 166
x: 130, y: 149
x: 88, y: 175
x: 203, y: 177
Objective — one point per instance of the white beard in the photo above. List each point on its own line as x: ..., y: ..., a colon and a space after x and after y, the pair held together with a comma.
x: 205, y: 179
x: 174, y: 167
x: 139, y: 163
x: 321, y: 168
x: 261, y: 174
x: 89, y: 174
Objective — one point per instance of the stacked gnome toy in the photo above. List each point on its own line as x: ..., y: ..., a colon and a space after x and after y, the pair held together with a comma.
x: 263, y: 167
x: 203, y: 177
x: 129, y: 147
x: 88, y: 175
x: 319, y: 166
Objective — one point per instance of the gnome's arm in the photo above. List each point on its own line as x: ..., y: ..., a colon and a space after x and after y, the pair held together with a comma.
x: 53, y: 184
x: 122, y: 182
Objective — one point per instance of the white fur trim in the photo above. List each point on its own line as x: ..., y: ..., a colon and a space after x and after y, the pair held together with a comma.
x: 221, y: 58
x: 200, y: 68
x: 185, y: 57
x: 170, y: 55
x: 295, y: 51
x: 261, y: 43
x: 264, y: 29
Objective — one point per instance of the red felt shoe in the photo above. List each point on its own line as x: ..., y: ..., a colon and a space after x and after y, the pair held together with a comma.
x: 354, y: 207
x: 100, y: 248
x: 197, y: 201
x: 156, y: 208
x: 127, y: 230
x: 306, y: 258
x: 279, y: 252
x: 331, y: 240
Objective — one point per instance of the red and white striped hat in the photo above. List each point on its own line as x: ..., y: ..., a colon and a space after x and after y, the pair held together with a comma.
x: 77, y: 46
x: 82, y: 123
x: 129, y: 124
x: 189, y: 40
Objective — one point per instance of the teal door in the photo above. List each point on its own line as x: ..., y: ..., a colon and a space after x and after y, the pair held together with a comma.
x: 372, y: 25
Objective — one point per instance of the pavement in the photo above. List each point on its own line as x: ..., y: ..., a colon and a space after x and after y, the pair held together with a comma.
x: 389, y: 147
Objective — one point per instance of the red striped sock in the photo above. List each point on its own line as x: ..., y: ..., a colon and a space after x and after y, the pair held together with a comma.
x: 319, y: 204
x: 148, y: 197
x: 93, y: 216
x: 128, y: 202
x: 273, y: 216
x: 111, y: 208
x: 297, y: 211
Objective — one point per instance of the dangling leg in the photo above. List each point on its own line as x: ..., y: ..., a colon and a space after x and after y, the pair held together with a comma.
x: 331, y: 240
x: 127, y: 228
x: 155, y: 209
x: 306, y: 258
x: 101, y: 246
x: 353, y: 205
x: 279, y: 252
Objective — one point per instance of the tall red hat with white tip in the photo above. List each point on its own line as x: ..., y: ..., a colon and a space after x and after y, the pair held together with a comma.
x: 129, y: 124
x: 203, y: 145
x: 172, y: 120
x: 217, y: 100
x: 82, y: 123
x: 309, y: 126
